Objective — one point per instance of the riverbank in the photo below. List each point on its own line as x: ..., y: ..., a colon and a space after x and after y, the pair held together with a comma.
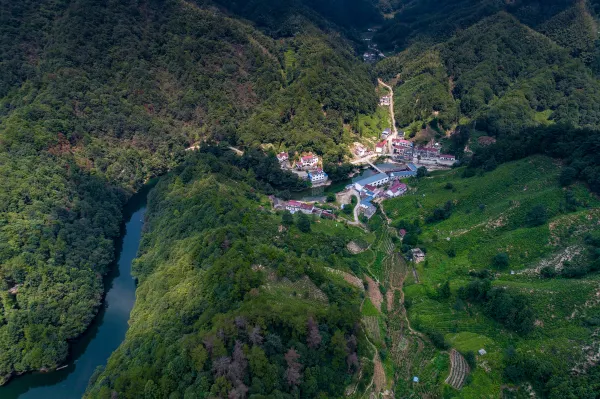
x: 107, y: 330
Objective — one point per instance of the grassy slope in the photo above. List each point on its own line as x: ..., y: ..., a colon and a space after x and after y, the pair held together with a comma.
x: 477, y: 235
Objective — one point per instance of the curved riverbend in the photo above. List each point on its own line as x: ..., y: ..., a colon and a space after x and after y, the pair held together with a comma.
x: 106, y: 332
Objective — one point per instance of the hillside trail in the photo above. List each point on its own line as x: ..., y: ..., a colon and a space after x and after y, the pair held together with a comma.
x: 407, y: 343
x: 392, y: 115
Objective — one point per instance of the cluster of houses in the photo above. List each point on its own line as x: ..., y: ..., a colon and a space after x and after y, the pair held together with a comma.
x: 373, y: 187
x: 307, y: 208
x: 402, y: 148
x: 308, y: 162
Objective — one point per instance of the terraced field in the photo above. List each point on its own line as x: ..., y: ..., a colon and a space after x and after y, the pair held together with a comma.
x: 489, y: 216
x: 459, y: 369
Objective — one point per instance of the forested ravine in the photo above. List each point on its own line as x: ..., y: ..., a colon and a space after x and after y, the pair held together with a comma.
x: 107, y: 331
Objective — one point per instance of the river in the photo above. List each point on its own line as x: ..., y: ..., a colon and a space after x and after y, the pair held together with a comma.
x: 106, y: 332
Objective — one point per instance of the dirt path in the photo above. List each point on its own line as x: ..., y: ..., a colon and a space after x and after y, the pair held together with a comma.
x: 393, y: 116
x: 374, y: 293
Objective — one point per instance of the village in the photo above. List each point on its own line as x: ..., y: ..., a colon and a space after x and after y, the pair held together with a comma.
x: 402, y: 160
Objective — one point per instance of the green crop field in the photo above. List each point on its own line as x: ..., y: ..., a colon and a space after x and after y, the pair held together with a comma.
x: 489, y: 215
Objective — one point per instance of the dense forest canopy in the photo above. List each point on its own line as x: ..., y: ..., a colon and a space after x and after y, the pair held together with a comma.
x: 98, y: 96
x: 231, y: 303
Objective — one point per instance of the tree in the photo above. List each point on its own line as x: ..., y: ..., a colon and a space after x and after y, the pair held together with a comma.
x: 303, y: 223
x: 444, y: 291
x: 287, y: 218
x: 471, y: 360
x: 422, y: 172
x: 537, y: 216
x: 567, y: 176
x: 331, y: 197
x: 313, y: 338
x: 500, y: 261
x: 292, y: 374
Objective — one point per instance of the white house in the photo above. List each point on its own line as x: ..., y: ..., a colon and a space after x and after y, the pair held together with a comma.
x: 317, y: 176
x: 385, y: 101
x: 401, y: 143
x: 309, y: 160
x: 360, y: 150
x: 380, y: 147
x: 282, y: 157
x: 447, y: 158
x: 295, y: 206
x: 396, y: 189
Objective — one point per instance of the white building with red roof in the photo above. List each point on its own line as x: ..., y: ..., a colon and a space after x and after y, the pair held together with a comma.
x: 397, y: 189
x: 297, y: 206
x: 309, y: 160
x: 380, y: 147
x: 282, y: 157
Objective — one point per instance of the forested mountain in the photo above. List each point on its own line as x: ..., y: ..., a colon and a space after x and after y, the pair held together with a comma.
x: 498, y: 72
x: 234, y: 300
x: 98, y: 96
x: 434, y: 21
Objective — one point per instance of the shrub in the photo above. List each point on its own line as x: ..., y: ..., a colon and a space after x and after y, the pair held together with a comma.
x: 303, y: 223
x: 500, y: 261
x: 331, y: 197
x: 287, y: 218
x: 537, y: 216
x: 567, y: 176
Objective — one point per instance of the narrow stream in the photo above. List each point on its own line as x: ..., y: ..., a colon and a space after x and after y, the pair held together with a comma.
x: 106, y: 332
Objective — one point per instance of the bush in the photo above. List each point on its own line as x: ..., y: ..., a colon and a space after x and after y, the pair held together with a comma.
x: 567, y: 176
x: 449, y: 186
x: 422, y: 172
x: 287, y: 218
x: 331, y: 197
x: 303, y: 223
x: 537, y: 216
x: 500, y: 261
x: 438, y: 340
x: 470, y: 358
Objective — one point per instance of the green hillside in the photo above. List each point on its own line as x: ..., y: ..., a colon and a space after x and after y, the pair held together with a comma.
x: 96, y: 97
x: 535, y: 243
x: 234, y: 301
x: 499, y: 73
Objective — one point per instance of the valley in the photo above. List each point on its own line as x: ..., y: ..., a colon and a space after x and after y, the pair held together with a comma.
x: 358, y: 198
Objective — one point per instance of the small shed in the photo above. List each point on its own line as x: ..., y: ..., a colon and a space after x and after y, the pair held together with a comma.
x: 481, y: 351
x: 415, y: 379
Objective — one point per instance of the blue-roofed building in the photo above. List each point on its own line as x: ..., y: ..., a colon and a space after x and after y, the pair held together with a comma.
x: 376, y: 180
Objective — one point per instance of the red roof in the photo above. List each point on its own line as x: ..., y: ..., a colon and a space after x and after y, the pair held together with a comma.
x: 401, y: 142
x: 447, y: 156
x: 282, y: 154
x: 402, y: 232
x: 308, y: 157
x: 370, y: 187
x: 381, y: 144
x: 397, y: 186
x: 295, y: 204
